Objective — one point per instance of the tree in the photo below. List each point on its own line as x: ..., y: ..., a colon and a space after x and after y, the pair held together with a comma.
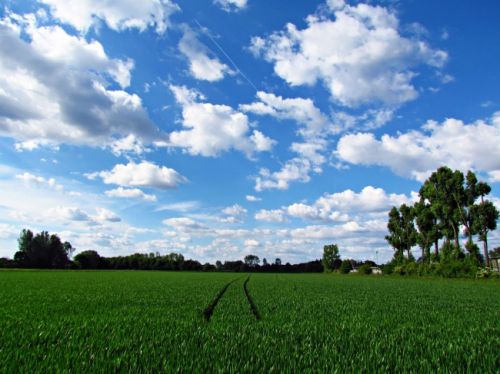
x: 402, y: 234
x: 264, y: 262
x: 330, y: 257
x: 445, y: 192
x: 345, y: 266
x: 252, y: 261
x: 485, y: 219
x: 25, y: 253
x: 277, y: 262
x: 89, y: 260
x: 428, y: 229
x: 41, y: 250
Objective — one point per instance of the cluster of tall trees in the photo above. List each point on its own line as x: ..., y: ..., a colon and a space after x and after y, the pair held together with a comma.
x: 450, y: 204
x: 42, y: 250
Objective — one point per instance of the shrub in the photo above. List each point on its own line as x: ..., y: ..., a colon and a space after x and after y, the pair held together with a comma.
x: 388, y: 268
x: 365, y: 269
x: 345, y: 267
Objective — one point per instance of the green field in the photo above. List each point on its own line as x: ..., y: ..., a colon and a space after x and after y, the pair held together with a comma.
x: 155, y: 321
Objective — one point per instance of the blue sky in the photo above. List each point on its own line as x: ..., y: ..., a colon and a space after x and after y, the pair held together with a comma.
x: 228, y: 127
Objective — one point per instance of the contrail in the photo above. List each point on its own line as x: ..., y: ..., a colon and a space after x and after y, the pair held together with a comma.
x: 227, y: 56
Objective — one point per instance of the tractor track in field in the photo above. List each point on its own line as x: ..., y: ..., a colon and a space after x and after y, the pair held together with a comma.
x: 209, y: 310
x: 253, y: 307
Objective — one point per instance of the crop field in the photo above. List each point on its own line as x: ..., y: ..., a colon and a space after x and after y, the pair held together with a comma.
x: 234, y: 322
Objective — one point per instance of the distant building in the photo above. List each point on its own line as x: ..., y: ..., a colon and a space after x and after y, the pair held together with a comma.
x: 376, y: 270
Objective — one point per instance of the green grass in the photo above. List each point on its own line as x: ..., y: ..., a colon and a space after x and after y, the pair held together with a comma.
x: 154, y: 321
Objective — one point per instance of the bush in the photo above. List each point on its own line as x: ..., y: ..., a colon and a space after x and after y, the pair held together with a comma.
x: 411, y: 268
x: 388, y: 268
x: 345, y: 267
x: 365, y: 269
x: 399, y: 269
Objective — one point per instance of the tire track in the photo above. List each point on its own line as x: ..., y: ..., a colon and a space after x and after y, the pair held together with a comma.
x: 209, y: 310
x: 253, y: 307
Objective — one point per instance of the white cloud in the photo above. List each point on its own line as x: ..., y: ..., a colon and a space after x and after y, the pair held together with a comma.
x: 231, y: 5
x: 58, y: 46
x: 302, y: 210
x: 340, y: 206
x: 211, y: 129
x: 416, y: 154
x: 54, y: 89
x: 313, y: 122
x: 105, y: 215
x: 348, y: 229
x: 275, y: 215
x: 261, y: 142
x: 251, y: 243
x: 117, y: 15
x: 144, y: 174
x: 184, y: 224
x: 183, y: 206
x: 234, y: 210
x: 314, y: 127
x: 128, y: 144
x: 202, y: 64
x: 68, y: 213
x: 134, y: 193
x: 252, y: 198
x: 32, y: 179
x: 494, y: 176
x: 296, y: 169
x: 360, y: 55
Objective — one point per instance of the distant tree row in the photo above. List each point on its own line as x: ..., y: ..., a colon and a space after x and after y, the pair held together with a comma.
x: 449, y: 204
x: 47, y: 251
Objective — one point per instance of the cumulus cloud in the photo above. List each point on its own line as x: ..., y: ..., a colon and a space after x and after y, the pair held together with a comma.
x: 231, y: 5
x: 311, y: 120
x: 128, y: 144
x: 117, y: 15
x: 296, y: 169
x: 210, y: 129
x: 415, y: 154
x: 54, y: 89
x: 274, y: 215
x: 203, y: 64
x: 261, y: 142
x: 131, y: 193
x: 339, y: 206
x: 143, y: 174
x: 359, y: 55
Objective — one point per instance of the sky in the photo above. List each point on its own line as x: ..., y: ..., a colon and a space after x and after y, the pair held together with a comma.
x: 224, y: 128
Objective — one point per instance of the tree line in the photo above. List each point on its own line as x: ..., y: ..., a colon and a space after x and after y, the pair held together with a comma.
x: 450, y: 206
x: 47, y: 251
